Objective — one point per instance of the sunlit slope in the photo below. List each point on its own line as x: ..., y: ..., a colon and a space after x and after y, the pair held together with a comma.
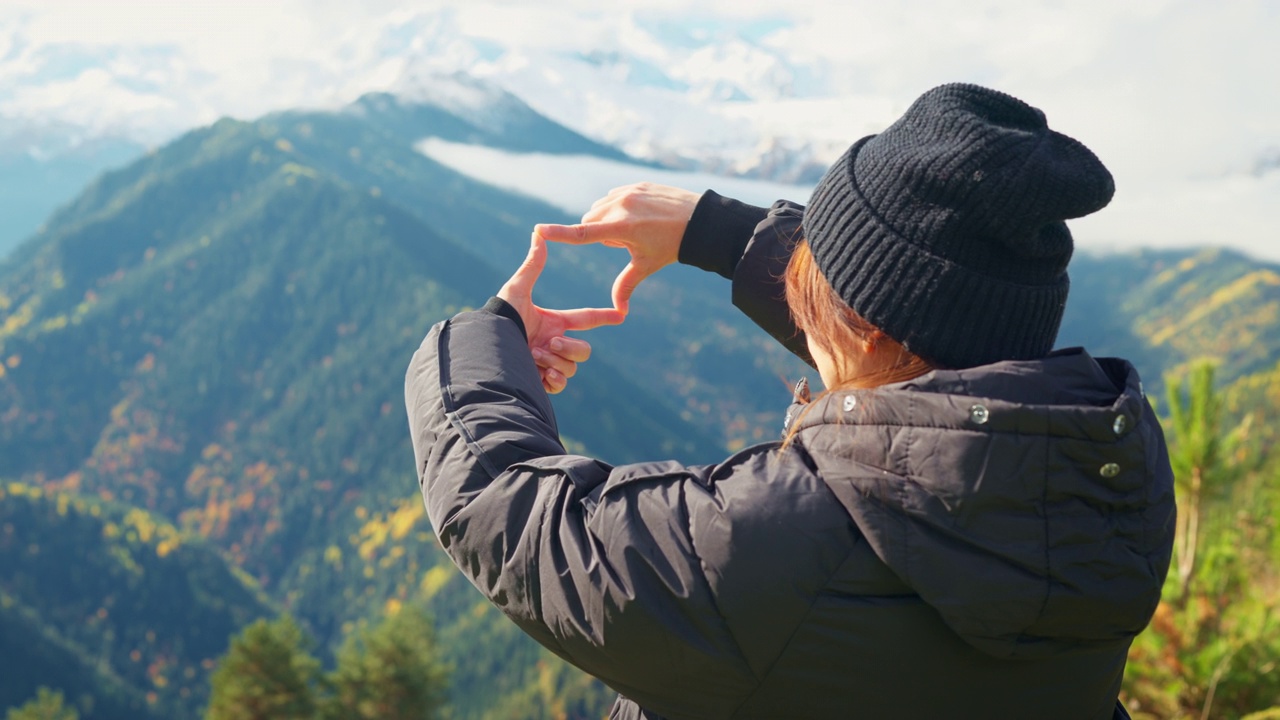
x: 1164, y: 309
x: 111, y: 605
x: 219, y: 334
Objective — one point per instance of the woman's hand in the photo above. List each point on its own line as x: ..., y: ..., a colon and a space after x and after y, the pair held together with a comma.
x: 648, y: 220
x: 556, y: 356
x: 558, y: 360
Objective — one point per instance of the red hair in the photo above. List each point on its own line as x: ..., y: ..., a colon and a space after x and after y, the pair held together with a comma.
x: 833, y: 326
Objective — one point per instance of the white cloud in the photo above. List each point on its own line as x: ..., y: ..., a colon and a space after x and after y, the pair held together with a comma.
x: 93, y: 99
x: 1176, y: 96
x: 1229, y: 208
x: 573, y: 182
x: 1237, y: 211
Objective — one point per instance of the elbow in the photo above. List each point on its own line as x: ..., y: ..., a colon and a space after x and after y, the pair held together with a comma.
x: 422, y: 402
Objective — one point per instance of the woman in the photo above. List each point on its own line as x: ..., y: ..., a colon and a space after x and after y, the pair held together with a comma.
x: 964, y: 525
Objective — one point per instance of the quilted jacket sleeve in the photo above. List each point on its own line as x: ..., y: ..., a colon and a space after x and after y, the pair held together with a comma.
x: 660, y: 579
x: 597, y: 563
x: 750, y: 246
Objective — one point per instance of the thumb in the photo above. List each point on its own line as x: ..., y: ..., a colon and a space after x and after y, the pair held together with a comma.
x: 625, y: 284
x: 571, y: 234
x: 526, y: 275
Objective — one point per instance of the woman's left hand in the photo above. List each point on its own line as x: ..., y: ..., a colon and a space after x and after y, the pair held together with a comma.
x: 556, y: 356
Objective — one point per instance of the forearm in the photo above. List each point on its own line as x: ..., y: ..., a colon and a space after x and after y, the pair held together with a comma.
x: 476, y: 407
x: 551, y: 539
x: 718, y: 233
x: 750, y: 246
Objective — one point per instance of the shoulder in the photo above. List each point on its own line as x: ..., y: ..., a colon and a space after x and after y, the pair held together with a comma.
x: 762, y: 483
x: 769, y: 511
x: 761, y: 508
x: 772, y: 539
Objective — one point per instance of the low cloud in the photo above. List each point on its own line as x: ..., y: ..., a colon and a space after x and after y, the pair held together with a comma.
x: 1175, y: 95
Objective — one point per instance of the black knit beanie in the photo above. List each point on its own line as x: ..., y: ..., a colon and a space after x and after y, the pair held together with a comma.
x: 946, y: 230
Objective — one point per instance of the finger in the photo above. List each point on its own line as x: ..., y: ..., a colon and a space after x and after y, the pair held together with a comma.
x: 552, y: 381
x: 574, y: 349
x: 600, y: 210
x: 527, y: 274
x: 609, y: 199
x: 585, y: 233
x: 625, y: 284
x: 547, y: 360
x: 617, y: 233
x: 631, y: 187
x: 570, y: 234
x: 598, y: 204
x: 589, y: 318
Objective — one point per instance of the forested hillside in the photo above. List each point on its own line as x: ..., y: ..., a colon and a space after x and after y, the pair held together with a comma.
x: 214, y: 339
x: 112, y: 603
x: 1165, y: 309
x: 218, y: 334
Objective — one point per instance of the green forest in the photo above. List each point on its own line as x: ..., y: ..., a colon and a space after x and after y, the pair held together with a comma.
x: 205, y: 468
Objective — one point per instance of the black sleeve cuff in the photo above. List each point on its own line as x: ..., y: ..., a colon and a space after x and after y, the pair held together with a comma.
x: 498, y: 306
x: 718, y: 233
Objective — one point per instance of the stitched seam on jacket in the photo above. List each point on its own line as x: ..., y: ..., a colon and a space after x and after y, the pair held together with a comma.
x: 711, y: 595
x: 905, y: 541
x: 451, y: 406
x: 805, y: 617
x: 532, y: 575
x: 799, y: 624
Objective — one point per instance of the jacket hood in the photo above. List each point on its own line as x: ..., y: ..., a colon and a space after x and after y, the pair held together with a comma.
x: 1029, y: 502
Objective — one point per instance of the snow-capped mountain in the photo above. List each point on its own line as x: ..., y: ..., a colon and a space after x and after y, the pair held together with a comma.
x: 709, y: 95
x: 739, y: 88
x: 717, y: 97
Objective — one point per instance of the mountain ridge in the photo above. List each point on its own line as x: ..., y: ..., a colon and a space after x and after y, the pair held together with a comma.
x: 218, y: 333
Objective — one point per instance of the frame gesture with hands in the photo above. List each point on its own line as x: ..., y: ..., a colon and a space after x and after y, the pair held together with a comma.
x: 646, y: 219
x: 556, y: 356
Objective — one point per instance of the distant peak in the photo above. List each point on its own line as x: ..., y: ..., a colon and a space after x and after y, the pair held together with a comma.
x: 481, y: 103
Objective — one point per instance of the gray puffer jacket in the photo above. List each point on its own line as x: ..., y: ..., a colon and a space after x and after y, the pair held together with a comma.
x: 979, y: 543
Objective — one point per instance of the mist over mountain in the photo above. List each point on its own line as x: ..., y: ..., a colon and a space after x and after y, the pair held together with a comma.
x: 737, y: 89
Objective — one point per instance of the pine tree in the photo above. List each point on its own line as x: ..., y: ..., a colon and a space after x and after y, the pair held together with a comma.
x: 1197, y: 463
x: 266, y: 675
x: 1211, y: 650
x: 47, y: 705
x: 388, y: 673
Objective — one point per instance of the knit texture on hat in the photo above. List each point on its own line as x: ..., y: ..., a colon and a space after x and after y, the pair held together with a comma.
x: 946, y: 230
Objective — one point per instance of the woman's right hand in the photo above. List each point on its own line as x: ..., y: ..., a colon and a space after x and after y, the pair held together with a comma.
x: 648, y: 220
x: 555, y: 355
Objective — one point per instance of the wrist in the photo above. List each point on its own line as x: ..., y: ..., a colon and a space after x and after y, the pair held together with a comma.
x: 718, y: 233
x: 500, y: 307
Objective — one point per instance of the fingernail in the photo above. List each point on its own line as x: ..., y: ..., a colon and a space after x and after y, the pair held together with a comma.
x: 557, y: 344
x: 539, y: 353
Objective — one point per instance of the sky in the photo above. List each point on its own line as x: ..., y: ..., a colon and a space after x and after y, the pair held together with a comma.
x: 1178, y: 97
